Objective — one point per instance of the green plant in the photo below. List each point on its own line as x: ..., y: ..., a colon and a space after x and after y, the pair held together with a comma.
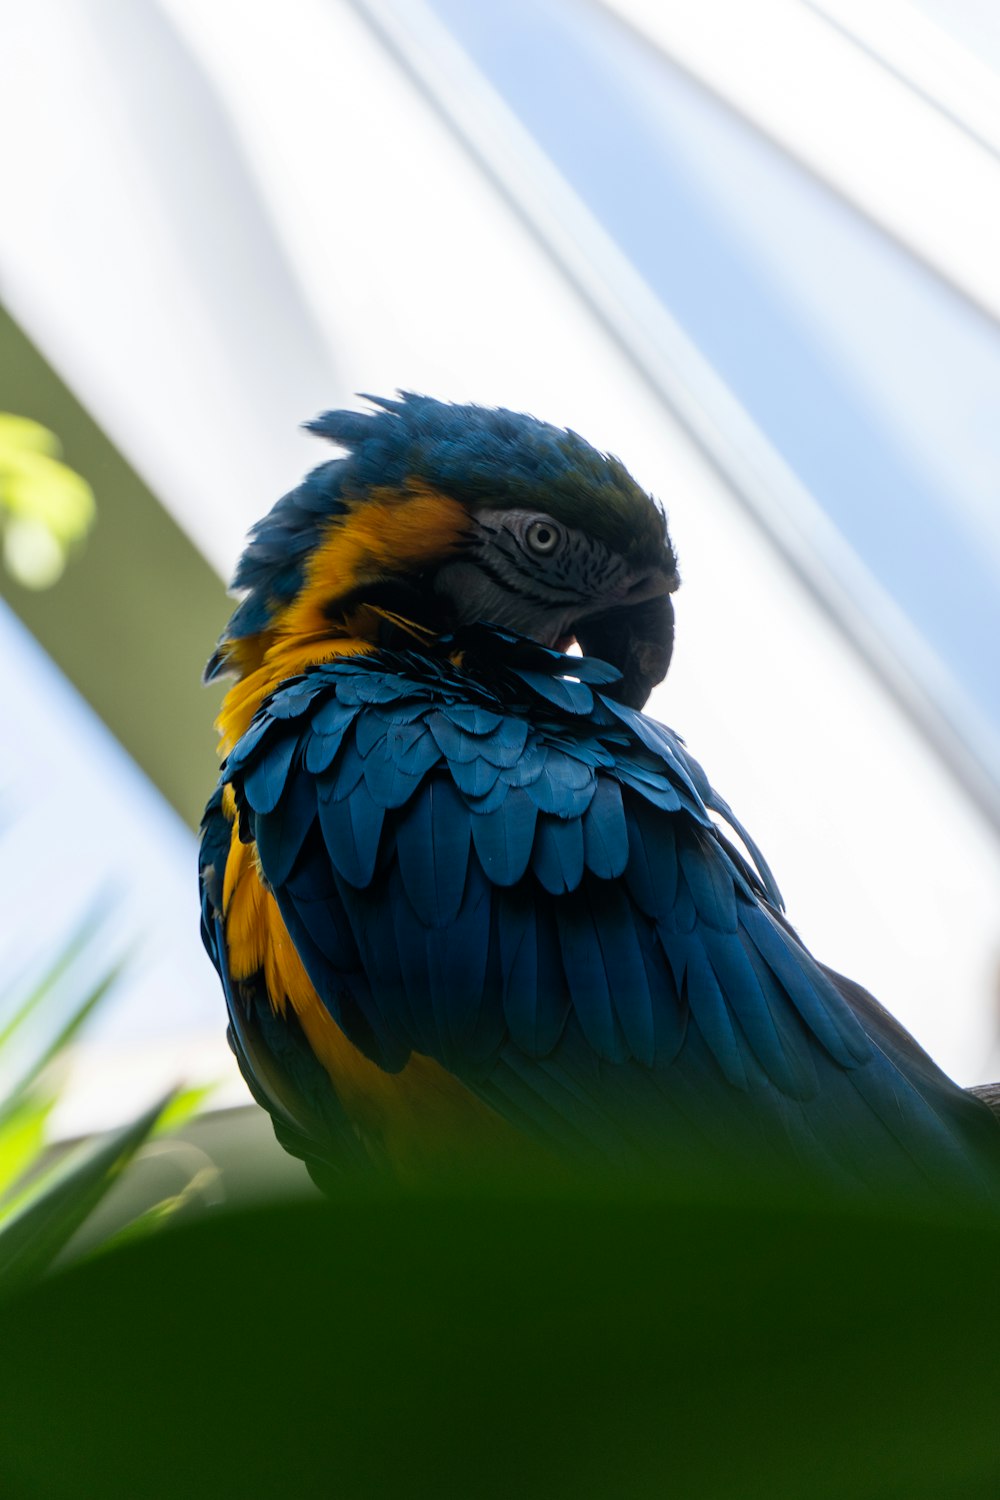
x: 45, y: 506
x: 46, y: 1195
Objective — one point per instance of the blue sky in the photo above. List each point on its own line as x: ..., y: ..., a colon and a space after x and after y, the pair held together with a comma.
x: 82, y: 822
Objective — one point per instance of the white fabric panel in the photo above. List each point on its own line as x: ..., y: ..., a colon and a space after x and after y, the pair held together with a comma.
x: 863, y: 130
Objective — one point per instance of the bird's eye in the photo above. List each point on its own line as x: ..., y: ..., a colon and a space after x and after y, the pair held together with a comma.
x: 542, y: 537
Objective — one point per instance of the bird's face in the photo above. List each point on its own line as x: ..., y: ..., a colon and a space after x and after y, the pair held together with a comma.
x: 533, y: 573
x: 485, y: 515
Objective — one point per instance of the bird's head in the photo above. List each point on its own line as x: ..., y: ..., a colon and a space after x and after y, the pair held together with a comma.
x: 441, y: 515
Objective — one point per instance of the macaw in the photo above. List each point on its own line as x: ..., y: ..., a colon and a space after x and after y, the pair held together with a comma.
x: 460, y: 890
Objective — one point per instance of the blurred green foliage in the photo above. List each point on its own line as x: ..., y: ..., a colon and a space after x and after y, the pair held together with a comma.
x: 574, y: 1341
x: 46, y: 1196
x: 45, y: 506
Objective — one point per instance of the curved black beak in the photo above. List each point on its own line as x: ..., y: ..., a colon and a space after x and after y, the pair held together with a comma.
x: 636, y: 638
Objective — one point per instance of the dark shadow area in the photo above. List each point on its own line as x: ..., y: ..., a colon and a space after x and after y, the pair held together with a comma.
x: 560, y: 1341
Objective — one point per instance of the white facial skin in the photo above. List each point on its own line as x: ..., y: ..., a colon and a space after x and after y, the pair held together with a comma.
x: 531, y: 573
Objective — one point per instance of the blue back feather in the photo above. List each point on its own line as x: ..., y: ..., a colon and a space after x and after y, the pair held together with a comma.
x: 529, y: 886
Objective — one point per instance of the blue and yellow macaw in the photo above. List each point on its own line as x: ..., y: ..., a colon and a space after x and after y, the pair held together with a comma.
x: 459, y: 889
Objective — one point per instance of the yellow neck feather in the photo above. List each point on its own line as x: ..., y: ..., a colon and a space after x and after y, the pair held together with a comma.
x: 391, y: 532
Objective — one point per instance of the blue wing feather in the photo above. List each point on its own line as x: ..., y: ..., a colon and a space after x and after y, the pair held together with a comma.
x: 264, y: 781
x: 561, y: 692
x: 709, y: 882
x: 557, y: 857
x: 777, y: 1036
x: 504, y: 837
x: 566, y: 788
x: 709, y: 1010
x: 463, y: 971
x: 473, y: 719
x: 824, y: 1012
x: 328, y: 726
x: 614, y: 920
x: 453, y: 742
x: 432, y: 846
x: 281, y: 834
x: 505, y: 746
x: 418, y: 754
x: 652, y: 872
x: 587, y: 977
x: 492, y: 799
x: 528, y: 767
x: 477, y: 778
x: 526, y: 883
x: 605, y: 833
x: 341, y: 777
x: 352, y: 827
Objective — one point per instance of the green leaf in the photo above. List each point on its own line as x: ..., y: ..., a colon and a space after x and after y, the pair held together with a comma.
x: 58, y: 1042
x: 20, y: 434
x: 32, y: 553
x: 48, y: 506
x: 183, y: 1106
x: 71, y: 951
x: 155, y: 1217
x: 22, y: 1135
x: 42, y: 488
x: 51, y: 1211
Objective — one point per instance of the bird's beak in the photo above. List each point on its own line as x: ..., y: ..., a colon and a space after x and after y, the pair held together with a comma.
x: 636, y: 636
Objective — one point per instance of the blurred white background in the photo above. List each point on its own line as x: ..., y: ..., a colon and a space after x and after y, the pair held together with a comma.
x: 755, y: 251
